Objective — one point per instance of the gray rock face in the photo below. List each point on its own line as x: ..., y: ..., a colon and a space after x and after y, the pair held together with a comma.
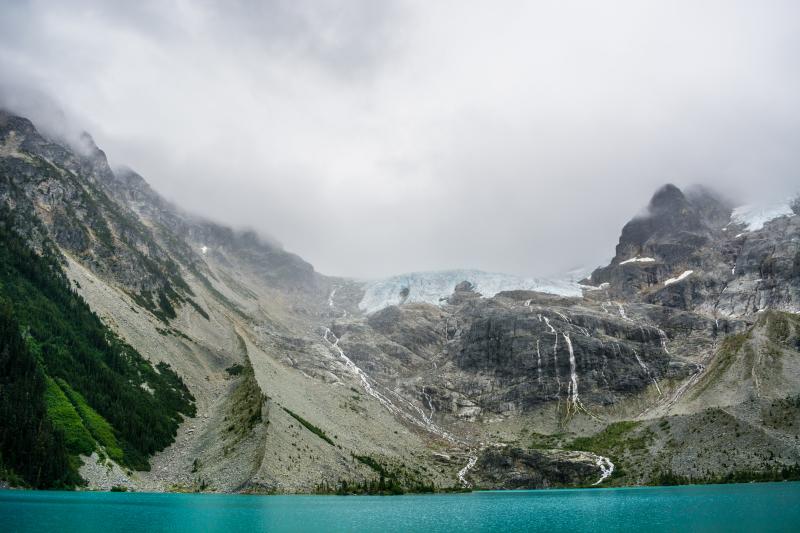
x: 63, y: 193
x: 532, y: 354
x: 653, y: 324
x: 521, y: 350
x: 117, y: 225
x: 728, y: 271
x: 676, y: 230
x: 765, y: 270
x: 517, y: 468
x: 190, y: 234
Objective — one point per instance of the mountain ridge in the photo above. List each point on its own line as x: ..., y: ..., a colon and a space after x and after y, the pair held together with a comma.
x: 634, y: 376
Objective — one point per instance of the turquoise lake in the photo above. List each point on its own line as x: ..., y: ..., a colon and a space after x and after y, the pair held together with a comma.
x: 750, y: 507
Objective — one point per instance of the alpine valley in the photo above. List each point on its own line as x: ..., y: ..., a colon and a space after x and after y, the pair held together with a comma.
x: 143, y: 348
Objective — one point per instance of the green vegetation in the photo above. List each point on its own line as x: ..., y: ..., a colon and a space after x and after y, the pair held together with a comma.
x: 777, y: 327
x: 389, y: 482
x: 372, y: 463
x: 102, y: 230
x: 159, y: 304
x: 66, y: 419
x: 246, y: 404
x: 129, y: 232
x: 786, y: 473
x: 32, y: 450
x: 381, y: 486
x: 726, y: 354
x: 311, y: 427
x: 614, y: 439
x: 50, y: 336
x: 540, y: 441
x: 100, y: 429
x: 235, y: 369
x: 221, y: 298
x: 615, y: 442
x: 197, y: 308
x: 782, y: 413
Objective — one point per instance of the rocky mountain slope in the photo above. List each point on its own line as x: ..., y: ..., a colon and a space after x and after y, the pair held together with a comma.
x: 677, y: 361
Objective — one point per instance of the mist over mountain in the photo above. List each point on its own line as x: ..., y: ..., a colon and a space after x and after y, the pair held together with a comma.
x: 145, y: 347
x: 380, y: 139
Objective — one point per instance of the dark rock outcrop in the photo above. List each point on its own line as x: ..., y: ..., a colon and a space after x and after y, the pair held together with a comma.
x: 516, y: 468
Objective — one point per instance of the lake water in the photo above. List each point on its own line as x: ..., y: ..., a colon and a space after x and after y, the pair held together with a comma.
x: 750, y: 507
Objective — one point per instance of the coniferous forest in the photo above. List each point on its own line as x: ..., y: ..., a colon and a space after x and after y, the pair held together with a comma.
x: 68, y: 384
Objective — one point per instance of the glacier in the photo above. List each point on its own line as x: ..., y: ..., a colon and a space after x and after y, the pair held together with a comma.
x: 753, y: 217
x: 435, y: 287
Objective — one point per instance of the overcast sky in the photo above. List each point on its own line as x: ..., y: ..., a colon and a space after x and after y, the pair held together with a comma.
x: 379, y: 137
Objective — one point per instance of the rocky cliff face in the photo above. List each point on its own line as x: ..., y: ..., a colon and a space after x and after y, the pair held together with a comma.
x: 518, y: 468
x: 191, y: 236
x: 299, y: 387
x: 675, y: 231
x: 62, y: 192
x: 688, y: 252
x: 660, y: 331
x: 518, y: 351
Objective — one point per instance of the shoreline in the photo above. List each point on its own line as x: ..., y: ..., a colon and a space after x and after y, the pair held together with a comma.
x: 5, y: 488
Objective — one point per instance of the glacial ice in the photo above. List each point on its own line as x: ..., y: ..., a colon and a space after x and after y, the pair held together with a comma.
x: 755, y: 216
x: 435, y: 287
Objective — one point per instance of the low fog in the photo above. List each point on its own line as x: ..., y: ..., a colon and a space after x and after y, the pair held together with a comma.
x: 374, y: 138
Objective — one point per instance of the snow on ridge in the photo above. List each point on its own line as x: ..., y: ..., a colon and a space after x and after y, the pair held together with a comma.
x: 682, y: 277
x: 753, y: 217
x: 435, y: 287
x: 638, y: 260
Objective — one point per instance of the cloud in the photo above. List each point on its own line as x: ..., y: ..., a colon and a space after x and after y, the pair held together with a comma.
x: 380, y: 137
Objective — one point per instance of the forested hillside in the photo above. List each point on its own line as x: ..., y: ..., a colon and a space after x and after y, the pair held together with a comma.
x: 68, y: 384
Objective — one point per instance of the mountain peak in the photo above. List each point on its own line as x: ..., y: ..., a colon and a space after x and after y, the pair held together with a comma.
x: 675, y: 226
x: 10, y: 121
x: 668, y: 197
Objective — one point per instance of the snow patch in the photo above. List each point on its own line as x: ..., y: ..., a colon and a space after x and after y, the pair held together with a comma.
x: 436, y: 287
x: 682, y: 277
x: 638, y: 260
